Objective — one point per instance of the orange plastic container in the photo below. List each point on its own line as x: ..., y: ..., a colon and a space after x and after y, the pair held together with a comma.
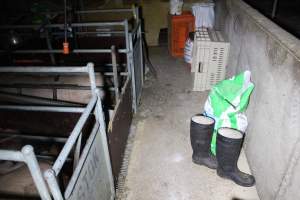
x: 179, y: 28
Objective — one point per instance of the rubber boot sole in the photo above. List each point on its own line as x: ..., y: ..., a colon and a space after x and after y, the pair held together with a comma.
x: 229, y: 177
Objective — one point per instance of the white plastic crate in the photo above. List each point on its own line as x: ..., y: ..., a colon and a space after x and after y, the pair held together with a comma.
x: 210, y: 55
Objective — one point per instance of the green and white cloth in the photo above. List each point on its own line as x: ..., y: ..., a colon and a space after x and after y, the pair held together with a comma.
x: 227, y: 102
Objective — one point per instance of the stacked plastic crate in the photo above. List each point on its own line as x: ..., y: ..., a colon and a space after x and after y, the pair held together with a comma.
x: 179, y: 28
x: 210, y: 55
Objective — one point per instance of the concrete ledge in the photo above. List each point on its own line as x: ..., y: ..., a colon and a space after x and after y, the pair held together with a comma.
x: 284, y: 38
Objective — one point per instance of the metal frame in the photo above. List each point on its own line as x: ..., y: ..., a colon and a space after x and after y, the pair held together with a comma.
x: 274, y: 9
x: 128, y: 34
x: 27, y: 155
x: 54, y: 70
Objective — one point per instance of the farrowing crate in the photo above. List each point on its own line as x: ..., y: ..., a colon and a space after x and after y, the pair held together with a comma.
x: 210, y: 55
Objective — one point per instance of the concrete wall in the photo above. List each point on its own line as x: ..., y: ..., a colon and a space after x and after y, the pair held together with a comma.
x: 273, y: 137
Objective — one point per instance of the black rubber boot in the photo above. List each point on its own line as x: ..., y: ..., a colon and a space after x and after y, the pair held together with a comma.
x: 201, y: 131
x: 229, y: 143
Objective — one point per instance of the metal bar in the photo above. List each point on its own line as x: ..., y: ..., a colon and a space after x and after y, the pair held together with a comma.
x: 137, y: 13
x: 48, y: 86
x: 100, y: 32
x: 53, y: 185
x: 43, y: 69
x: 87, y: 24
x: 33, y: 100
x: 141, y: 52
x: 49, y: 158
x: 82, y: 11
x: 102, y: 11
x: 130, y: 69
x: 127, y: 47
x: 99, y: 112
x: 77, y: 151
x: 20, y: 91
x: 92, y: 76
x: 11, y: 155
x: 73, y: 136
x: 133, y: 78
x: 110, y: 64
x: 101, y: 119
x: 81, y: 4
x: 97, y: 50
x: 34, y: 137
x: 43, y: 108
x: 115, y: 72
x: 35, y: 171
x: 59, y: 87
x: 49, y: 45
x: 136, y: 28
x: 111, y: 74
x: 275, y: 3
x: 56, y: 51
x: 65, y: 21
x: 104, y: 65
x: 54, y: 95
x: 81, y: 161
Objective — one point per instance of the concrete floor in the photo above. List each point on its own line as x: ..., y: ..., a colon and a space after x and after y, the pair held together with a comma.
x: 160, y: 166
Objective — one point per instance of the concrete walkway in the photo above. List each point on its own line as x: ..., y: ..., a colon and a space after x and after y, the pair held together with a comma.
x: 160, y: 166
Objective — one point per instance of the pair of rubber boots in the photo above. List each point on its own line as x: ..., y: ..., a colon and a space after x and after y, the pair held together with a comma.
x: 229, y: 143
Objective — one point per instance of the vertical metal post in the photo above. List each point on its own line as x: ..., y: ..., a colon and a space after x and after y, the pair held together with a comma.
x: 275, y: 3
x: 63, y: 155
x: 53, y: 185
x: 141, y: 51
x: 101, y: 120
x: 33, y: 166
x: 49, y: 45
x: 99, y: 111
x: 92, y: 76
x: 77, y: 151
x: 66, y: 21
x: 115, y: 72
x: 132, y: 64
x: 137, y: 14
x: 54, y: 94
x: 130, y: 67
x: 126, y: 30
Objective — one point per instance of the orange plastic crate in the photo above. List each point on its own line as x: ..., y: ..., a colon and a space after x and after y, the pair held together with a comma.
x: 179, y: 28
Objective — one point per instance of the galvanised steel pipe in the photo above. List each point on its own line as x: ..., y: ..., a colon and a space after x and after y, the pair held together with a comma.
x: 35, y: 171
x: 88, y: 24
x: 73, y: 136
x: 58, y: 51
x: 50, y: 177
x: 44, y: 108
x: 48, y: 69
x: 11, y: 155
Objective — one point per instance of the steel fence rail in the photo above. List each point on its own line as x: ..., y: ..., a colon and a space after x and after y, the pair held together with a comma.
x: 27, y: 156
x: 87, y: 24
x: 44, y: 69
x: 43, y: 108
x: 103, y: 11
x: 74, y: 135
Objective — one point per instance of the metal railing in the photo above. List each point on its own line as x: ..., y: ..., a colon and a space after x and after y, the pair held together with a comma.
x: 74, y: 140
x: 129, y: 35
x: 27, y: 156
